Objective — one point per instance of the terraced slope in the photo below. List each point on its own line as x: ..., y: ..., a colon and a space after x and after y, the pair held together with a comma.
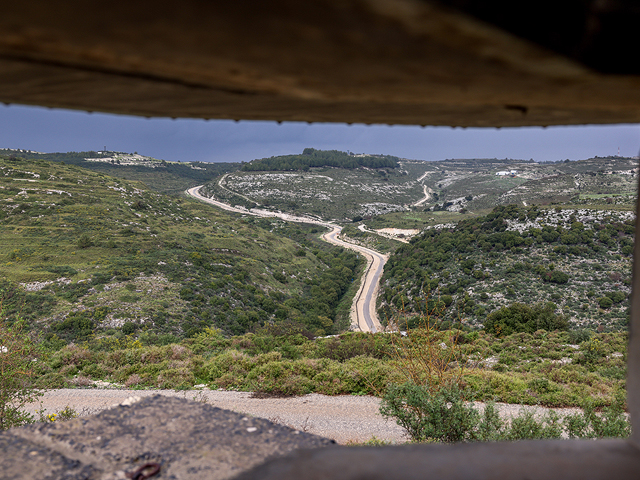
x: 330, y: 193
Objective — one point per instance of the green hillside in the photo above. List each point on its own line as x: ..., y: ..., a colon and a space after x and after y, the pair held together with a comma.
x: 85, y: 253
x: 346, y: 188
x: 575, y: 262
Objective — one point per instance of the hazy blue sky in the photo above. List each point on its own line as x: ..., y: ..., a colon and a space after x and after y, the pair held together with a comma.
x: 48, y: 130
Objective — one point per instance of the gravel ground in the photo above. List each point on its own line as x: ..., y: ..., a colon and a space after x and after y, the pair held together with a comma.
x: 343, y: 418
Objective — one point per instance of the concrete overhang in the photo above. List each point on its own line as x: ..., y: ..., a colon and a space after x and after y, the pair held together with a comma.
x: 457, y: 63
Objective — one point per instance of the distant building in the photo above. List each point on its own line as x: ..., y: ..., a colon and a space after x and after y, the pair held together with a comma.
x: 505, y: 173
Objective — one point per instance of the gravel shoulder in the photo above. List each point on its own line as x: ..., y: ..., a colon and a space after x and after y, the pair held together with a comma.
x: 343, y: 418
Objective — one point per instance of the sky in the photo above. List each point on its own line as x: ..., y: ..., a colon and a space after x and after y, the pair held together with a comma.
x: 54, y: 130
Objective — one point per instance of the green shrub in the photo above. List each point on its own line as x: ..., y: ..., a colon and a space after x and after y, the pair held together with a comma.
x: 225, y: 363
x: 366, y: 375
x: 580, y: 335
x: 442, y: 416
x: 280, y: 277
x: 526, y: 427
x: 17, y: 374
x: 555, y: 276
x: 617, y: 296
x: 284, y: 378
x: 605, y: 302
x: 94, y: 370
x: 612, y: 423
x: 129, y: 327
x: 84, y: 241
x: 176, y: 378
x: 519, y: 317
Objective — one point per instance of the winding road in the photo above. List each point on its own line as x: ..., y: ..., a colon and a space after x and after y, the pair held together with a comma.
x: 363, y: 311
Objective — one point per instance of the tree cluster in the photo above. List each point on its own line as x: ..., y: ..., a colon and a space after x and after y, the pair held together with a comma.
x: 311, y: 157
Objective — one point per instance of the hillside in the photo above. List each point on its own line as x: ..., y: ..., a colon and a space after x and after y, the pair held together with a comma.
x: 476, y: 185
x: 165, y: 177
x: 330, y: 184
x: 85, y: 253
x: 467, y: 186
x: 579, y: 260
x: 108, y: 270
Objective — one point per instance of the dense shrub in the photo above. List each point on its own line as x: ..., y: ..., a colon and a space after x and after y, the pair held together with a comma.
x: 523, y: 318
x: 441, y: 416
x: 605, y: 302
x: 555, y: 276
x: 444, y: 416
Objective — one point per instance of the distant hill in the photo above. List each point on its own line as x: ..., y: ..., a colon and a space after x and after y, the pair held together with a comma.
x: 300, y: 184
x: 159, y: 175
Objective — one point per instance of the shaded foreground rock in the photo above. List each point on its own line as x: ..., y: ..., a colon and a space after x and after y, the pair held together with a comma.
x: 188, y: 439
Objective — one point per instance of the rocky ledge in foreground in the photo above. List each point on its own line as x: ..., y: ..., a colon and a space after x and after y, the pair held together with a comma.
x: 185, y: 439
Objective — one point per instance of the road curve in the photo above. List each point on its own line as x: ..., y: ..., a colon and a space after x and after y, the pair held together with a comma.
x: 363, y: 311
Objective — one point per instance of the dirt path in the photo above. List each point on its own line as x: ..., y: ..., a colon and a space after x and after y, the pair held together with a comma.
x: 427, y: 195
x: 363, y: 312
x: 344, y: 418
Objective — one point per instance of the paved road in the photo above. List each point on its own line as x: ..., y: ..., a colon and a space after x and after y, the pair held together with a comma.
x: 366, y: 318
x: 363, y: 311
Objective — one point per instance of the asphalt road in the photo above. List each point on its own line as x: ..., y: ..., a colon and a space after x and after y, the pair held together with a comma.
x: 365, y: 314
x: 363, y: 311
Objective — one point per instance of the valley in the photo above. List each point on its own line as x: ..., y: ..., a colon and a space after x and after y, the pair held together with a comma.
x: 251, y: 281
x: 363, y: 312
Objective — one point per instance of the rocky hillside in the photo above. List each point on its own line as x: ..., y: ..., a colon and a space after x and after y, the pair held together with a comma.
x: 356, y: 192
x: 577, y: 259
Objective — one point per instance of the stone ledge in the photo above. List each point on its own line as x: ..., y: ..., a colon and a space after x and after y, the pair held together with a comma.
x: 189, y: 440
